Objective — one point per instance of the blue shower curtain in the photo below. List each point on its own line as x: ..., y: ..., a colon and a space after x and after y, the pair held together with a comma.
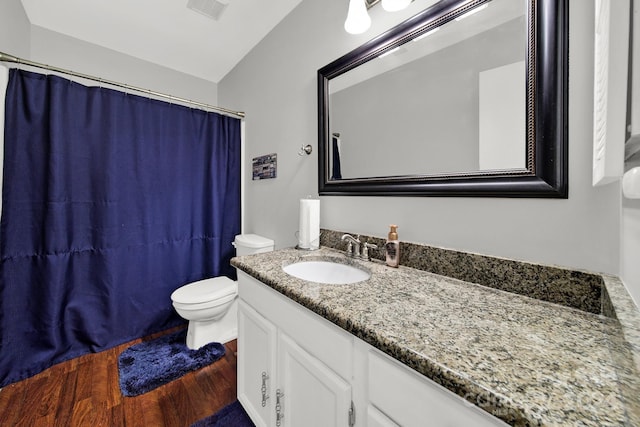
x: 110, y: 202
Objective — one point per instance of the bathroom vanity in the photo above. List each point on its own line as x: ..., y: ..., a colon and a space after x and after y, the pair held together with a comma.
x: 309, y: 372
x: 409, y: 347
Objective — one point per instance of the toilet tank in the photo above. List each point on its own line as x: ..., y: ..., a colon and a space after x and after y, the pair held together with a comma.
x: 247, y: 244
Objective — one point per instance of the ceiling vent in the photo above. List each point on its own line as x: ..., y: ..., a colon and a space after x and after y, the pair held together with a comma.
x: 210, y: 8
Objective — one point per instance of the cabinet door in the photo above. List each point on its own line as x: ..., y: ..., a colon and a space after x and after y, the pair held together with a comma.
x: 256, y: 365
x: 314, y: 395
x: 376, y: 418
x: 412, y: 400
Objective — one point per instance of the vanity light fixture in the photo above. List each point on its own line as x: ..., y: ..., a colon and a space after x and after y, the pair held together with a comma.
x: 471, y: 12
x: 358, y: 20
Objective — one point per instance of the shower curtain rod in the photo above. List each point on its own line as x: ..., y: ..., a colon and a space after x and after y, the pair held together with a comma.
x: 4, y: 57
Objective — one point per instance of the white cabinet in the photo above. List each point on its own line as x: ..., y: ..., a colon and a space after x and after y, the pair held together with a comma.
x: 256, y: 364
x: 314, y: 370
x: 375, y: 418
x: 401, y: 397
x: 313, y: 394
x: 280, y: 382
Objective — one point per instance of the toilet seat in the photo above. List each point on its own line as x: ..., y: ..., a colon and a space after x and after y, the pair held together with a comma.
x: 204, y: 305
x: 218, y: 289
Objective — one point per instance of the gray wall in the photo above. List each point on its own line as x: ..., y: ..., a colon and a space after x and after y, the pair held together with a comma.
x: 276, y: 85
x: 15, y: 31
x: 57, y: 49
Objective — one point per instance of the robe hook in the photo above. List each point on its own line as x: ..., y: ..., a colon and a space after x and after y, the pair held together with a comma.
x: 305, y: 149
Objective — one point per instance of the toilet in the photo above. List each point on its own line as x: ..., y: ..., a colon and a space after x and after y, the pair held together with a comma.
x: 211, y: 305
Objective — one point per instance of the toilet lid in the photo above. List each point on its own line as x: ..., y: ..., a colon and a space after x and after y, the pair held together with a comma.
x: 205, y: 290
x: 252, y: 241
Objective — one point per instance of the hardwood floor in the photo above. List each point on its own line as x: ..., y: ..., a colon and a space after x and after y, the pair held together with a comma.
x: 85, y: 392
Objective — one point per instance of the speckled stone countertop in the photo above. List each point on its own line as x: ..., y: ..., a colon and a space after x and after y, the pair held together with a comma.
x: 522, y: 359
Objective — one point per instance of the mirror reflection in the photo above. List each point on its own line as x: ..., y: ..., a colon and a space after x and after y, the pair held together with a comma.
x: 451, y: 101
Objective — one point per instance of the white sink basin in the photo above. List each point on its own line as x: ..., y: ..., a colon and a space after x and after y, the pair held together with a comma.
x: 326, y: 272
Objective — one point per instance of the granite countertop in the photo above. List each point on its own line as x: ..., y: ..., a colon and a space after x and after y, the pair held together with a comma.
x: 526, y: 361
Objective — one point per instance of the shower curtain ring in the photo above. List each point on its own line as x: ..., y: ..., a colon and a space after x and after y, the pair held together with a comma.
x: 305, y: 149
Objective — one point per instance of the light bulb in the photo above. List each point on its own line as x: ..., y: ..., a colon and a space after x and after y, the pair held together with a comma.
x: 395, y: 5
x: 358, y: 20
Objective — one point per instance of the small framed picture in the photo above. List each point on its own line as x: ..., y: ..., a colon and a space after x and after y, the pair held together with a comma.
x: 265, y: 167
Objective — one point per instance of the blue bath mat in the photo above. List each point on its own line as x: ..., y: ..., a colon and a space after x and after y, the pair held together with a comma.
x: 232, y: 415
x: 148, y: 365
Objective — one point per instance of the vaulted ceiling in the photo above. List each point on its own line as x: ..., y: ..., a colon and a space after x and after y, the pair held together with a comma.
x: 165, y: 32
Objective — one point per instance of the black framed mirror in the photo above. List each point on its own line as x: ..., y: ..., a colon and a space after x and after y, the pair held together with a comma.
x: 466, y: 98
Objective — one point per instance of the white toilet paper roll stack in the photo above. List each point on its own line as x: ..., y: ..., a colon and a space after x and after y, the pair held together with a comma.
x: 309, y: 229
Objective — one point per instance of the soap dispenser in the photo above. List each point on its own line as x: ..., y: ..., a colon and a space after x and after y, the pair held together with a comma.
x: 393, y: 247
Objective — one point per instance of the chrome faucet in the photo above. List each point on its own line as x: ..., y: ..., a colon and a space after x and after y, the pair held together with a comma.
x: 365, y: 250
x: 353, y: 246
